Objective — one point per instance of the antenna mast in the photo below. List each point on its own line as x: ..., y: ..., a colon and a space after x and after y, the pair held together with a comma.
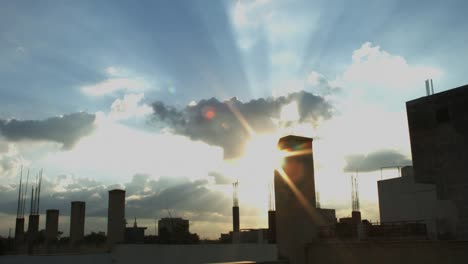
x: 355, y: 192
x: 18, y: 210
x: 235, y: 197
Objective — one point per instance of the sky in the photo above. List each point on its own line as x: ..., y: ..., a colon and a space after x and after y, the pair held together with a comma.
x: 175, y: 100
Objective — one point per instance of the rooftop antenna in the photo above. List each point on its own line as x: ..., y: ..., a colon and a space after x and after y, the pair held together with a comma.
x: 429, y: 87
x: 432, y: 87
x: 355, y: 192
x: 25, y: 194
x: 39, y: 191
x: 317, y: 197
x: 18, y: 210
x: 271, y: 202
x: 235, y: 197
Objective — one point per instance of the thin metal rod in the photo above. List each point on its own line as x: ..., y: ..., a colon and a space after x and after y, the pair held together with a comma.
x: 18, y: 209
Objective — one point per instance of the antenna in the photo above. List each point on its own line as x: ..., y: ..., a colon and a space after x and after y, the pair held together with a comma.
x: 39, y: 191
x: 235, y: 197
x: 18, y: 210
x: 317, y: 198
x: 355, y: 191
x: 32, y: 197
x: 429, y: 87
x: 271, y: 200
x: 432, y: 87
x: 25, y: 194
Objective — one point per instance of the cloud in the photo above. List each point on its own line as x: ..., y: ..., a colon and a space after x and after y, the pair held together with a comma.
x: 112, y: 85
x: 10, y: 160
x: 129, y: 106
x: 375, y: 68
x: 218, y: 123
x: 66, y: 129
x: 220, y: 178
x: 375, y: 160
x: 146, y: 198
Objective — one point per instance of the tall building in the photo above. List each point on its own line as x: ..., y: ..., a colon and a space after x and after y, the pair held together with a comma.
x: 438, y: 127
x: 77, y: 221
x: 51, y: 231
x: 116, y: 217
x: 296, y: 215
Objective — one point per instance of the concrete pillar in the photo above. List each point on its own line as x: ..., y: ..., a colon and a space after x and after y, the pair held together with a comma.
x: 33, y: 228
x: 116, y: 217
x: 51, y: 231
x: 271, y: 227
x: 297, y: 219
x: 19, y: 231
x: 77, y: 221
x: 235, y: 219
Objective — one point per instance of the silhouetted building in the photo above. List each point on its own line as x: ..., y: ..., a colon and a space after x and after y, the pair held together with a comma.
x: 116, y: 217
x: 271, y: 227
x: 19, y: 231
x: 296, y: 215
x: 77, y: 222
x: 33, y: 228
x: 402, y: 199
x: 175, y: 230
x: 135, y: 234
x: 51, y: 231
x: 438, y: 126
x: 246, y: 236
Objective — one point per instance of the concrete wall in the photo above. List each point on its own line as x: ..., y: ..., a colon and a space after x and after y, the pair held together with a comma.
x: 193, y: 254
x: 388, y: 253
x: 438, y: 126
x: 401, y: 199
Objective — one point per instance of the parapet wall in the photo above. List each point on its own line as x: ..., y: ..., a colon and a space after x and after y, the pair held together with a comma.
x: 411, y: 252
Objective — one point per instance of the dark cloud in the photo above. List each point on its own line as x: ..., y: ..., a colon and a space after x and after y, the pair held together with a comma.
x: 375, y: 160
x: 217, y: 123
x: 146, y: 197
x: 66, y: 129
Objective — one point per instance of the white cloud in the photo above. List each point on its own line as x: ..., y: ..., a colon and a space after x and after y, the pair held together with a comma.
x: 10, y: 161
x: 129, y: 106
x: 113, y: 71
x: 112, y: 85
x: 374, y: 68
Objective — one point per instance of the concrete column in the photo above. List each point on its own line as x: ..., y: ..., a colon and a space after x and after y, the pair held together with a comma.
x: 51, y: 232
x: 297, y: 219
x: 33, y: 228
x: 235, y: 219
x: 77, y: 221
x: 116, y: 217
x: 19, y: 231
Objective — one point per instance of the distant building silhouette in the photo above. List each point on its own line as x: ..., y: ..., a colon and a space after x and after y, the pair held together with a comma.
x: 438, y: 127
x: 77, y: 222
x: 174, y: 230
x: 135, y: 234
x: 116, y: 217
x: 52, y: 220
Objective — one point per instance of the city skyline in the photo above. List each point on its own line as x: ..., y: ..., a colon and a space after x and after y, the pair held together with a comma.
x: 174, y: 102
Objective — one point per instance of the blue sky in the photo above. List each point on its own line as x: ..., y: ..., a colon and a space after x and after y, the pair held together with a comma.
x: 113, y: 59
